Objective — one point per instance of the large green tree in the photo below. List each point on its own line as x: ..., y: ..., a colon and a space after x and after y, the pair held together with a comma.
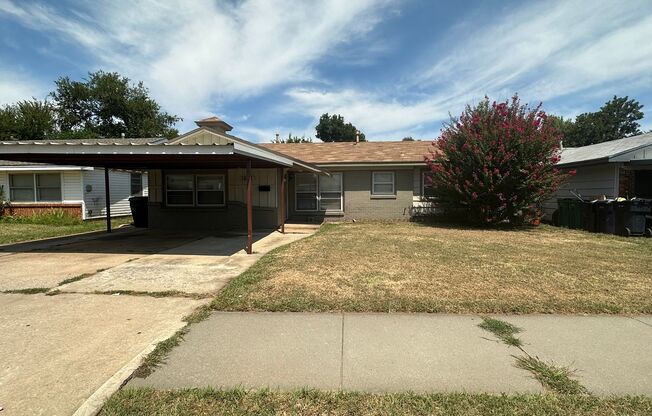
x: 334, y: 129
x: 617, y: 118
x: 29, y: 120
x: 105, y: 104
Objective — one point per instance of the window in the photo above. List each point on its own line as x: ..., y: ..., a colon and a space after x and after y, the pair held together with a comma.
x: 382, y: 184
x: 48, y: 187
x: 187, y: 190
x: 21, y: 188
x: 313, y: 193
x: 210, y: 190
x: 305, y: 190
x: 180, y: 190
x: 426, y: 189
x: 35, y: 187
x: 330, y: 192
x: 136, y: 183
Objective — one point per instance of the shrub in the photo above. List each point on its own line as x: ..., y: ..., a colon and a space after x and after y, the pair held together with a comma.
x: 51, y: 217
x: 497, y: 162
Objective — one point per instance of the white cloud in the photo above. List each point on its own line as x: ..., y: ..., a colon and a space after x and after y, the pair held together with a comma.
x: 543, y: 51
x: 16, y: 87
x: 193, y: 55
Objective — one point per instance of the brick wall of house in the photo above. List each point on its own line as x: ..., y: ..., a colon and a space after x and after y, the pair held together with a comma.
x: 360, y: 204
x: 358, y: 201
x: 25, y: 210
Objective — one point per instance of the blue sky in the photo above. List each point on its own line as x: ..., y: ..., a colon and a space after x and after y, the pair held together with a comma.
x: 392, y: 68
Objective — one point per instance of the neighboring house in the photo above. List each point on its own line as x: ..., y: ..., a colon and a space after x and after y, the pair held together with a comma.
x: 36, y: 187
x: 610, y: 169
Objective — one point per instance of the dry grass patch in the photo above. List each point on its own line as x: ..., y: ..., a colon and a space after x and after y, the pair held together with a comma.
x: 318, y: 403
x: 420, y: 268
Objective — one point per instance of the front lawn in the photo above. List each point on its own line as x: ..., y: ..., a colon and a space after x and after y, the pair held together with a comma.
x: 15, y: 231
x: 264, y: 402
x: 420, y: 268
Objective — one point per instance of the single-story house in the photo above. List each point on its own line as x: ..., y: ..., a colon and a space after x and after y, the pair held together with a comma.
x: 37, y: 187
x: 210, y: 179
x: 619, y: 168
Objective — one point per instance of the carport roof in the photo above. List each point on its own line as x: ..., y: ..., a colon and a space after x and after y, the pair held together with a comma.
x: 131, y: 153
x: 622, y: 150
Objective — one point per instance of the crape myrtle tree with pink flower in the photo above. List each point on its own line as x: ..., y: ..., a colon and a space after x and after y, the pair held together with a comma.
x: 496, y: 163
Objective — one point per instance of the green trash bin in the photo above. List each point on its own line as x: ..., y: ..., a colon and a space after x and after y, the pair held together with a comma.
x: 564, y: 211
x: 575, y: 214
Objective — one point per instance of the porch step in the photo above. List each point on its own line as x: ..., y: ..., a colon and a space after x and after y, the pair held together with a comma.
x: 301, y: 228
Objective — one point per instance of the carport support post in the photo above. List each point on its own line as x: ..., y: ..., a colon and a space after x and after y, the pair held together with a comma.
x: 107, y: 191
x: 282, y: 200
x: 250, y: 227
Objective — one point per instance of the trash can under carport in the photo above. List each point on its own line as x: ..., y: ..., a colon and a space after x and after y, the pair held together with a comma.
x: 138, y: 206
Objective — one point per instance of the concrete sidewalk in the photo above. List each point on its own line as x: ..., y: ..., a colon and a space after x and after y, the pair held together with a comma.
x: 404, y: 352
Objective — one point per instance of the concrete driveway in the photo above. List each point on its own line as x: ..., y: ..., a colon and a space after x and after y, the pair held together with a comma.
x: 45, y: 264
x: 56, y: 350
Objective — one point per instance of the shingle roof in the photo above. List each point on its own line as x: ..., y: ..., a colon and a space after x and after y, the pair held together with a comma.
x: 351, y: 152
x: 604, y: 150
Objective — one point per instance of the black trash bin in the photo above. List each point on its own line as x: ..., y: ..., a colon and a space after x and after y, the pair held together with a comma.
x: 138, y: 206
x: 589, y: 217
x: 604, y: 215
x: 630, y: 217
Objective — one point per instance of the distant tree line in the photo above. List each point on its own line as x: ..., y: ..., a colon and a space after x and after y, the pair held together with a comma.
x: 617, y: 118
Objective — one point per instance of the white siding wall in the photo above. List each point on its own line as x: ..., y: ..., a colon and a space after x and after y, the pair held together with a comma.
x: 120, y: 185
x: 591, y: 182
x: 155, y: 185
x: 238, y: 186
x: 4, y: 183
x: 71, y: 186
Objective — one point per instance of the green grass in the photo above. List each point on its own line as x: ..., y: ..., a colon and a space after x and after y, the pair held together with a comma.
x: 28, y: 291
x: 310, y: 402
x: 18, y: 229
x: 408, y: 267
x: 556, y: 378
x: 502, y: 330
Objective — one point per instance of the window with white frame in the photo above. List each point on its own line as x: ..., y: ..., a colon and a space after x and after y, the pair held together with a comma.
x: 382, y: 184
x: 330, y: 192
x: 426, y: 185
x: 187, y: 190
x: 323, y: 193
x: 35, y: 187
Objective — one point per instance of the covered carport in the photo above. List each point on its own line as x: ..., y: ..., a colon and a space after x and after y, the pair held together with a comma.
x: 204, y: 148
